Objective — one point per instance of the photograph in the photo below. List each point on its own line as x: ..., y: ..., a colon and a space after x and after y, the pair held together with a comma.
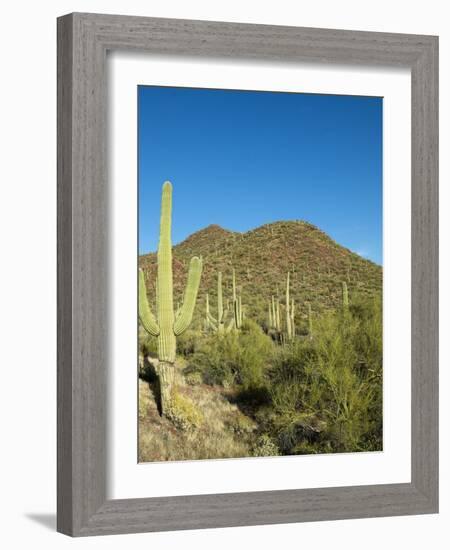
x: 260, y: 273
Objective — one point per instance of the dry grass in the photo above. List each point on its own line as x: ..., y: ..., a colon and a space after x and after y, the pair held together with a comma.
x: 223, y: 431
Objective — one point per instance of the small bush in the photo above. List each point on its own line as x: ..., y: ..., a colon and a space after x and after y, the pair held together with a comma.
x: 264, y: 446
x: 184, y: 414
x: 192, y: 377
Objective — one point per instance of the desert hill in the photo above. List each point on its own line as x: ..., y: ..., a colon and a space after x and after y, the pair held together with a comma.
x: 261, y: 258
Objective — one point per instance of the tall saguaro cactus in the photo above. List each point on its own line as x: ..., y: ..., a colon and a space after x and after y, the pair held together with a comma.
x: 293, y: 317
x: 168, y: 326
x: 284, y: 330
x: 288, y: 310
x: 274, y: 317
x: 217, y: 324
x: 237, y: 305
x: 271, y: 320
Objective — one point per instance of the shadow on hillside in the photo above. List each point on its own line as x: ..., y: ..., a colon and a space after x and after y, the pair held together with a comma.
x: 250, y: 400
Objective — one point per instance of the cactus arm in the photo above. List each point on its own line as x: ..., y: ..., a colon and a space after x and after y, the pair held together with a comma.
x: 187, y: 309
x: 145, y: 314
x: 234, y: 285
x: 212, y: 321
x: 237, y: 315
x: 274, y: 322
x: 236, y: 305
x: 207, y: 313
x: 293, y: 317
x: 288, y: 312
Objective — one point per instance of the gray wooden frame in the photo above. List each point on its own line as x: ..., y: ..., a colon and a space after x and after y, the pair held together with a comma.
x: 83, y: 40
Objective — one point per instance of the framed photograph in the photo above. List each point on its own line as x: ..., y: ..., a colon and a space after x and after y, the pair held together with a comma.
x: 247, y: 274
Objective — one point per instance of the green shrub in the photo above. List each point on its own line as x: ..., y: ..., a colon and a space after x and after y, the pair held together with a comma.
x: 215, y: 359
x: 293, y: 380
x: 234, y: 358
x: 192, y: 377
x: 326, y: 391
x: 184, y: 414
x: 187, y: 342
x: 264, y: 446
x: 255, y: 354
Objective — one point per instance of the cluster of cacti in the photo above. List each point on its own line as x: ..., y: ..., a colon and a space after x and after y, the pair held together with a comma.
x: 284, y: 331
x: 218, y: 324
x: 274, y: 314
x: 167, y: 326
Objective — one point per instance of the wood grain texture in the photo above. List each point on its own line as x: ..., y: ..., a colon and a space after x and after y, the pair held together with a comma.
x: 83, y: 209
x: 64, y: 275
x: 425, y: 272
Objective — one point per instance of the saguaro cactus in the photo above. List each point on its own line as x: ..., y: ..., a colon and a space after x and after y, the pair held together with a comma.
x: 240, y: 311
x: 288, y: 310
x: 273, y: 315
x: 237, y: 305
x: 293, y: 317
x: 207, y: 322
x: 168, y: 326
x: 278, y: 317
x: 217, y: 323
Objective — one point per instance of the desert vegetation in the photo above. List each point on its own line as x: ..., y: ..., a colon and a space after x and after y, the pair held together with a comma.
x: 274, y: 346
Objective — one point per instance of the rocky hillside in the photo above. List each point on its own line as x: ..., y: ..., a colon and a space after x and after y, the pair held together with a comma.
x: 262, y: 257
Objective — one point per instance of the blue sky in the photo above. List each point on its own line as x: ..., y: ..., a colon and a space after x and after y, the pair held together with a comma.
x: 242, y: 159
